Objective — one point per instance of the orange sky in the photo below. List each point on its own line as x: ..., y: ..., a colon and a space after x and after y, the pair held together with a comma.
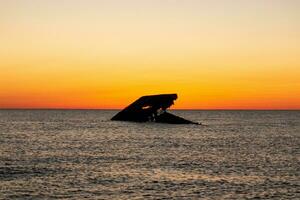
x: 230, y: 54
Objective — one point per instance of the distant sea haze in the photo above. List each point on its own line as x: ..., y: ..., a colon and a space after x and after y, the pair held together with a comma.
x: 76, y: 154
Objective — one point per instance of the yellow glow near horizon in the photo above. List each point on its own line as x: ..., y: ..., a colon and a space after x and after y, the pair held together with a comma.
x: 104, y: 54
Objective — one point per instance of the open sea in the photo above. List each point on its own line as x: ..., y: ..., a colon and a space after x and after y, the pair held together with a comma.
x: 81, y: 154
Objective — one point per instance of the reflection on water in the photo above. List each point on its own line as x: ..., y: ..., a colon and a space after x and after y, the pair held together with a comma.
x: 81, y: 154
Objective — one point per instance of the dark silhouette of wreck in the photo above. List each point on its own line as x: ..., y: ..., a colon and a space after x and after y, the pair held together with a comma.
x: 151, y: 108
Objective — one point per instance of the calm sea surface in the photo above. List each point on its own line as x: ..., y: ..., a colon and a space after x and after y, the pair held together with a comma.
x: 78, y: 154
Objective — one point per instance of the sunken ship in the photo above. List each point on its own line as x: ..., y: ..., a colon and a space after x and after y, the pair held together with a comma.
x: 151, y: 108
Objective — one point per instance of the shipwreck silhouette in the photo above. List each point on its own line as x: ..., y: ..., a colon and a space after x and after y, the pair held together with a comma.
x: 151, y: 108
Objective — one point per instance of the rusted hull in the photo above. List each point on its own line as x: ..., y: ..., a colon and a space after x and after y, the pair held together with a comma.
x: 151, y: 108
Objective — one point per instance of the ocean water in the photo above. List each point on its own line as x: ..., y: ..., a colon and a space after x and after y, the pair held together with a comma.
x: 77, y: 154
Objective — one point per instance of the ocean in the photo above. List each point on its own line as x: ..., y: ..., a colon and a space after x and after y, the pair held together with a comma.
x: 81, y: 154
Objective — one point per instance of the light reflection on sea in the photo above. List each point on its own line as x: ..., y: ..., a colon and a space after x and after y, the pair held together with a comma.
x: 82, y: 154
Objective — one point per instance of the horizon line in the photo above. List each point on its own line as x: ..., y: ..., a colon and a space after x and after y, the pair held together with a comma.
x: 179, y: 109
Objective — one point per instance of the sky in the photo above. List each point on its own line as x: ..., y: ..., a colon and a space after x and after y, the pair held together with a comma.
x: 95, y: 54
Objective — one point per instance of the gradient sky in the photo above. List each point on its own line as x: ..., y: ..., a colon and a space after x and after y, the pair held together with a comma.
x: 225, y: 54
